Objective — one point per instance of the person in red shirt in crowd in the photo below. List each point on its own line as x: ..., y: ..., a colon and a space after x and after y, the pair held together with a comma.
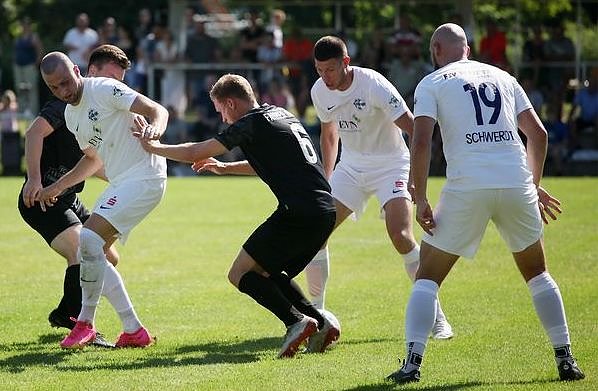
x: 298, y: 49
x: 493, y: 46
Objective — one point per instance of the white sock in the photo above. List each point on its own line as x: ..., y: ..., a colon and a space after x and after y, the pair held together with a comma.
x: 316, y: 273
x: 411, y: 260
x: 116, y: 293
x: 93, y: 265
x: 549, y: 307
x: 419, y: 320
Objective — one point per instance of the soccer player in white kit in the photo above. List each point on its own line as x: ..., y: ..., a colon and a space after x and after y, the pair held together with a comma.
x: 100, y: 112
x: 490, y: 176
x: 363, y: 109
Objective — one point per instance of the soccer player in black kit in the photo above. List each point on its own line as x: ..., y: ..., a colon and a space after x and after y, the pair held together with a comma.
x: 51, y: 151
x: 280, y: 152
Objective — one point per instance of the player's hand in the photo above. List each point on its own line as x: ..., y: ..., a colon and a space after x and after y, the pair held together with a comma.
x: 143, y: 130
x: 30, y: 191
x: 549, y: 206
x: 209, y: 164
x: 48, y: 196
x: 424, y: 216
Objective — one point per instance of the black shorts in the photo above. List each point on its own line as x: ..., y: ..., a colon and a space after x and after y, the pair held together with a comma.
x: 286, y: 242
x: 68, y: 211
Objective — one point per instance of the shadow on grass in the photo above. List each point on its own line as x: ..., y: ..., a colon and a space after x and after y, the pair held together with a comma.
x: 45, y: 352
x: 447, y: 387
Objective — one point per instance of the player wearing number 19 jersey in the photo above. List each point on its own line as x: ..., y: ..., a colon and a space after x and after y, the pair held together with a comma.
x: 490, y: 176
x: 281, y: 153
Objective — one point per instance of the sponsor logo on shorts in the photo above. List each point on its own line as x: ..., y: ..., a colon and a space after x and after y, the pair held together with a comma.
x: 109, y: 204
x: 399, y: 185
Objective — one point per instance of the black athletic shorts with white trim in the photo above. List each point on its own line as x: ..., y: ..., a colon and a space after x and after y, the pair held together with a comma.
x: 68, y: 211
x: 286, y: 242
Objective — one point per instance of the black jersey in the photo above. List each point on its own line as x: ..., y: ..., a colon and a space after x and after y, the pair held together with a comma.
x: 282, y: 154
x: 60, y: 151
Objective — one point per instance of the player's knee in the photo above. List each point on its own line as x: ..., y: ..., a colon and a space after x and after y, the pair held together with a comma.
x: 234, y: 277
x: 91, y: 244
x: 402, y: 240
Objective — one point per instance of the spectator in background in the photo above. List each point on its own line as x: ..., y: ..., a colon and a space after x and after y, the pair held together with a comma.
x: 110, y: 31
x: 201, y: 49
x: 457, y: 18
x: 375, y: 51
x: 79, y: 41
x: 534, y: 95
x: 584, y: 114
x: 145, y: 24
x: 28, y: 52
x: 277, y: 19
x: 558, y: 50
x: 406, y: 35
x: 9, y: 112
x: 558, y: 138
x: 297, y: 49
x: 493, y: 46
x: 269, y: 55
x: 533, y: 54
x: 173, y: 81
x: 279, y: 95
x: 144, y: 55
x: 251, y: 36
x: 405, y: 72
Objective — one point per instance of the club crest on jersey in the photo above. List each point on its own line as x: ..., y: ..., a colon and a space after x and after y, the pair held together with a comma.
x: 359, y: 104
x: 117, y: 92
x: 93, y: 114
x: 394, y: 101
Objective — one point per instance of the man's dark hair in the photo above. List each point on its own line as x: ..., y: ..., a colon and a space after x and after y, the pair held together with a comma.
x: 329, y: 47
x: 106, y: 54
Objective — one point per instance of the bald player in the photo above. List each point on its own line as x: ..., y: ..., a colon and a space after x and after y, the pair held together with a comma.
x: 100, y: 112
x: 490, y: 176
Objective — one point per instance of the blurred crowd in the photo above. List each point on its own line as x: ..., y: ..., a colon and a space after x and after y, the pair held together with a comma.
x: 285, y: 73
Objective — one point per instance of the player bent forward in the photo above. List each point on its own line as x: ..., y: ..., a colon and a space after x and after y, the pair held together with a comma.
x: 281, y: 153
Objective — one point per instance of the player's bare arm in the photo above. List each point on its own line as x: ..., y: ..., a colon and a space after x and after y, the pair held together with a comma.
x: 329, y: 146
x: 215, y: 166
x: 185, y: 152
x: 34, y: 144
x: 405, y: 122
x: 155, y: 112
x: 537, y: 143
x: 86, y: 167
x: 421, y: 148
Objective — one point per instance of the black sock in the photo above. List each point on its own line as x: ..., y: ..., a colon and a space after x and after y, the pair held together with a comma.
x: 267, y: 294
x: 562, y: 353
x: 291, y: 290
x: 71, y: 299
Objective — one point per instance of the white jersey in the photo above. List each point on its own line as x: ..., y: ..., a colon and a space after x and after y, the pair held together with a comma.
x: 364, y: 115
x: 476, y: 106
x: 102, y: 120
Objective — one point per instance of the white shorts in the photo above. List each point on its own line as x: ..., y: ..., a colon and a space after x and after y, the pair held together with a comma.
x: 353, y: 185
x: 461, y: 219
x: 124, y: 205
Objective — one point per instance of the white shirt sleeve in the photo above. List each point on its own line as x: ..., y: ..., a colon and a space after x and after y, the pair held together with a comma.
x: 321, y: 112
x: 425, y: 100
x: 113, y: 93
x: 522, y: 102
x: 386, y: 97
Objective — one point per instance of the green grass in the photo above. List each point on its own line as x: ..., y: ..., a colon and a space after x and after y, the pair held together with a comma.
x: 211, y: 337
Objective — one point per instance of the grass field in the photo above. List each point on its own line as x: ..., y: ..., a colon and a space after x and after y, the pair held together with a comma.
x: 211, y: 337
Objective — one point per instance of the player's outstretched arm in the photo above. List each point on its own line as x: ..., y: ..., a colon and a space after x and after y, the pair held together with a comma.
x: 221, y: 168
x: 34, y: 144
x: 89, y: 164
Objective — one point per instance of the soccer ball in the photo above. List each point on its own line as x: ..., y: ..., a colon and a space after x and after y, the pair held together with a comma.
x: 329, y: 316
